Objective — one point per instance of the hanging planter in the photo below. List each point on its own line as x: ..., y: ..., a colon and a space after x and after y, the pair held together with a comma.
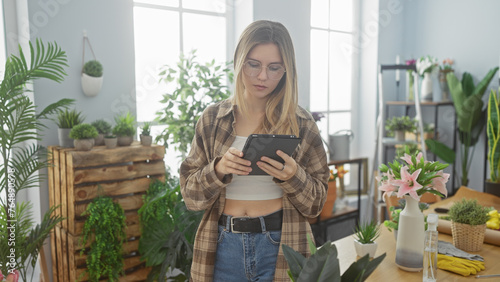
x: 92, y: 75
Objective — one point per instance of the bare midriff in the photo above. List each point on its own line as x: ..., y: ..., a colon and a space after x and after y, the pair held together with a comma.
x: 252, y: 208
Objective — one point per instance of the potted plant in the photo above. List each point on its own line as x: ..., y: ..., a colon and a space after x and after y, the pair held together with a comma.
x: 124, y: 129
x: 444, y: 69
x: 23, y: 159
x: 66, y: 119
x: 103, y: 128
x: 366, y: 234
x: 471, y: 118
x: 83, y: 135
x: 468, y: 224
x: 326, y: 258
x: 92, y: 78
x: 110, y: 141
x: 146, y: 138
x: 492, y: 185
x: 398, y: 126
x: 104, y: 228
x: 168, y: 230
x: 203, y: 83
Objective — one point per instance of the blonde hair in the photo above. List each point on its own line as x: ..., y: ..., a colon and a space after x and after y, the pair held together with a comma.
x: 281, y: 106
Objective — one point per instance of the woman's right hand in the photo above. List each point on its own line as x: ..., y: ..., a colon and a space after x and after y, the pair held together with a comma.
x: 232, y: 162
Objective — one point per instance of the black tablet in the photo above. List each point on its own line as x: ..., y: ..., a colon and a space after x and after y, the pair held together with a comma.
x: 259, y: 145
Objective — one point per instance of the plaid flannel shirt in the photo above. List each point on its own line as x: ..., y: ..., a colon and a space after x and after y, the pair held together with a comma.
x: 304, y: 193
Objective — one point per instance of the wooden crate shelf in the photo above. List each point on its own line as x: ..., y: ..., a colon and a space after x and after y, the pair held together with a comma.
x: 77, y: 177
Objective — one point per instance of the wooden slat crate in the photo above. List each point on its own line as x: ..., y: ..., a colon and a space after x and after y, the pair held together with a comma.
x: 77, y: 177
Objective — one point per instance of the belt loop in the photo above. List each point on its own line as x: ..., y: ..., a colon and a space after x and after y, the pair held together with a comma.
x: 228, y: 222
x: 262, y: 224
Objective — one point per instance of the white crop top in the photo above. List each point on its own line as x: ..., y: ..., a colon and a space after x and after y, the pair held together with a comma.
x: 251, y: 187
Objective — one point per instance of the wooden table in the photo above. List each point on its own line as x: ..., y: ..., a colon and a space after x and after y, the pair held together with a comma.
x: 388, y: 271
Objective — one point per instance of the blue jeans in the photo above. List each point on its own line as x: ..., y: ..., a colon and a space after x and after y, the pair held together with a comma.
x: 246, y: 256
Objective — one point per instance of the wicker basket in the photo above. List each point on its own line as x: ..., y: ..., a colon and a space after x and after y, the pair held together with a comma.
x: 467, y: 237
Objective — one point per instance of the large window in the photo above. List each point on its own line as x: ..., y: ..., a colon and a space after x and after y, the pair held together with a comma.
x: 332, y: 36
x: 163, y: 29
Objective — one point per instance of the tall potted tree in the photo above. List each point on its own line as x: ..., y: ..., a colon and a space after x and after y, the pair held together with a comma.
x: 471, y: 117
x: 20, y: 163
x: 492, y: 185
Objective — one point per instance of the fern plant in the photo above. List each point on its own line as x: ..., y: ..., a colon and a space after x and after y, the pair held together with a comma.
x: 168, y: 229
x: 102, y: 126
x: 21, y: 158
x: 105, y: 224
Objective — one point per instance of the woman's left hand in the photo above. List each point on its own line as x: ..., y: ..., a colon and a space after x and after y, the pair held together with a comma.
x: 274, y: 168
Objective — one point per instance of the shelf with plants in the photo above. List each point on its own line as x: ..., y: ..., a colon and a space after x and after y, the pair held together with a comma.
x: 78, y: 177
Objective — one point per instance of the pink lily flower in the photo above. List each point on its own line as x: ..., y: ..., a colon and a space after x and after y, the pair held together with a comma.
x: 408, y: 183
x: 13, y: 276
x: 1, y: 276
x: 438, y: 183
x: 387, y: 185
x: 407, y: 158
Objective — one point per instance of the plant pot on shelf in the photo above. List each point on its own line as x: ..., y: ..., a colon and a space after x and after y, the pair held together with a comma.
x: 492, y: 188
x: 91, y: 86
x: 468, y: 237
x: 99, y: 140
x: 363, y: 249
x: 146, y: 140
x: 84, y: 144
x: 443, y: 85
x: 64, y: 140
x: 110, y: 142
x: 125, y: 140
x: 399, y: 135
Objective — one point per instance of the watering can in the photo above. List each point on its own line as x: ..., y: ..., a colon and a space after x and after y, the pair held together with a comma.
x: 338, y: 144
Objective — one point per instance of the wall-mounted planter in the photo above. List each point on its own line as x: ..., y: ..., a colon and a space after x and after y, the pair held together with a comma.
x: 91, y: 85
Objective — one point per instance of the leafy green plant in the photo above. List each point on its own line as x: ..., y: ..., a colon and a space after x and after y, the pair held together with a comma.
x: 323, y: 265
x: 198, y: 86
x: 125, y: 125
x: 471, y: 118
x: 69, y: 118
x: 469, y: 211
x: 83, y: 131
x: 21, y: 158
x: 93, y: 68
x: 146, y: 129
x: 367, y: 233
x: 102, y: 126
x: 404, y: 123
x: 168, y: 230
x: 493, y: 133
x: 104, y: 226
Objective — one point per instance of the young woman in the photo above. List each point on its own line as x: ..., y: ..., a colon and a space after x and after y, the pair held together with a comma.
x: 248, y: 217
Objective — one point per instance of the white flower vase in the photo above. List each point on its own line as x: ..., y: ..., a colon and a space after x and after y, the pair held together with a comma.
x: 426, y: 93
x: 410, y: 239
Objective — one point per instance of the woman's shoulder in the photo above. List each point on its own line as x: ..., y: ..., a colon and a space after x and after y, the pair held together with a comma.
x: 304, y: 114
x: 218, y: 109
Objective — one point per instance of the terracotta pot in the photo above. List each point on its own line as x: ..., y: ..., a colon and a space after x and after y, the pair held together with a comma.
x: 330, y: 201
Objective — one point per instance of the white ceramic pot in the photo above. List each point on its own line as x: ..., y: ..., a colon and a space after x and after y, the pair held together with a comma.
x: 400, y: 135
x: 426, y: 88
x: 84, y: 144
x: 363, y: 249
x: 411, y: 232
x: 91, y: 85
